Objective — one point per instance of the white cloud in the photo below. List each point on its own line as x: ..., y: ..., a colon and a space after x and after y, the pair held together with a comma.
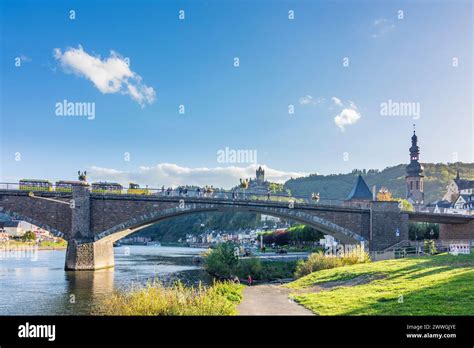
x: 381, y: 27
x: 347, y: 117
x: 169, y: 174
x: 337, y: 101
x: 307, y: 99
x: 109, y: 75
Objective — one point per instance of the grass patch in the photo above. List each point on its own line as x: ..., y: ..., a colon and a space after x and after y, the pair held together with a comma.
x: 319, y: 261
x: 431, y: 285
x: 155, y: 299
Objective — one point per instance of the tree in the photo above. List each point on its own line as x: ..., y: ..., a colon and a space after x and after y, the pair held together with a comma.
x: 222, y: 261
x: 423, y: 230
x: 405, y: 205
x: 29, y: 236
x: 384, y: 195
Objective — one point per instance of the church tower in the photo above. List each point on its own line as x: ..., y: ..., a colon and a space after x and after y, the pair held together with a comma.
x: 414, y: 177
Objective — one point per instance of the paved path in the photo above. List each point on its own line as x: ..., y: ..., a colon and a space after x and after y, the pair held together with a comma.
x: 269, y: 300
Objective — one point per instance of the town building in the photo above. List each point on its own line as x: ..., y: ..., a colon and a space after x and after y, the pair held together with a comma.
x: 460, y: 192
x: 414, y: 177
x: 13, y: 228
x: 360, y: 196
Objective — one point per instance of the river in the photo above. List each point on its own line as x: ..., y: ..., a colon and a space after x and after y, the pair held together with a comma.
x: 37, y: 284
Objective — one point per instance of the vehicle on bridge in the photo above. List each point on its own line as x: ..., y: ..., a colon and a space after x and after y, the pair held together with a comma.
x: 65, y: 186
x: 35, y: 185
x: 134, y: 189
x: 107, y: 187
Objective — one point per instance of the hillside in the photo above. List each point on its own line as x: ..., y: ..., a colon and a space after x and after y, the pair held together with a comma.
x: 429, y: 285
x: 338, y: 186
x: 173, y: 229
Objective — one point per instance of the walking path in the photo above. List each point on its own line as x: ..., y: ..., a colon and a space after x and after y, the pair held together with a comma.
x: 269, y: 299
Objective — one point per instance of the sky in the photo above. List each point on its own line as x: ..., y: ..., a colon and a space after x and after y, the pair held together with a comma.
x: 172, y: 89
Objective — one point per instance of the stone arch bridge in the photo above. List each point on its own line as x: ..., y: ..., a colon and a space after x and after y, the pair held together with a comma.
x: 91, y: 223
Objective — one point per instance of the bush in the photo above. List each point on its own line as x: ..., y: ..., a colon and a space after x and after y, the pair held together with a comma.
x: 155, y: 299
x: 251, y: 266
x: 422, y: 230
x: 430, y: 247
x: 319, y: 261
x: 221, y: 262
x: 29, y: 236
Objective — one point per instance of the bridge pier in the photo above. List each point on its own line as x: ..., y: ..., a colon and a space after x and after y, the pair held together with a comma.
x: 88, y: 255
x: 388, y: 225
x: 83, y: 251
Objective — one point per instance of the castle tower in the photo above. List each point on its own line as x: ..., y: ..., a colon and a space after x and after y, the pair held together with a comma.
x: 260, y: 175
x: 414, y: 177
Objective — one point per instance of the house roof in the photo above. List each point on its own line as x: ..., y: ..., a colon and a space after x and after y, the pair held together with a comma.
x: 440, y: 204
x: 11, y: 223
x: 360, y: 190
x: 464, y: 184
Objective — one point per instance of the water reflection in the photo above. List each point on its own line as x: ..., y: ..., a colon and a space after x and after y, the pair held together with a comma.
x: 42, y: 287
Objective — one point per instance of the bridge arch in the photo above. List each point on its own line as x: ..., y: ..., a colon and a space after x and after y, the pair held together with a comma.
x: 21, y: 217
x: 137, y: 223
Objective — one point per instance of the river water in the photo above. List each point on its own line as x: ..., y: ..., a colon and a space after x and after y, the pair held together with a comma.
x: 37, y: 284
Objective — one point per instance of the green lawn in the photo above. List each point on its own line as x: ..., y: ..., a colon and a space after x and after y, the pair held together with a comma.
x: 430, y: 285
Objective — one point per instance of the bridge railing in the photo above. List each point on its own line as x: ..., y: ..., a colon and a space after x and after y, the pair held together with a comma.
x: 238, y: 194
x: 437, y: 210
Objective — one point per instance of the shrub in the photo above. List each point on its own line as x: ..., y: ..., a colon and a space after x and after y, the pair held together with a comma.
x: 423, y: 230
x: 319, y: 261
x: 221, y: 262
x: 155, y: 299
x: 29, y: 236
x: 251, y: 266
x: 430, y: 247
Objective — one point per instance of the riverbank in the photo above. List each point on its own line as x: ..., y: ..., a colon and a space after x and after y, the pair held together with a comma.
x: 221, y: 298
x: 18, y: 245
x: 430, y: 285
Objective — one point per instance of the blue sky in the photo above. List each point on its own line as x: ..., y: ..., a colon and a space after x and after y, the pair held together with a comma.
x: 190, y: 62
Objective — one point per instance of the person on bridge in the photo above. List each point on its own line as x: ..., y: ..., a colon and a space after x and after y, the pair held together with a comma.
x: 268, y: 194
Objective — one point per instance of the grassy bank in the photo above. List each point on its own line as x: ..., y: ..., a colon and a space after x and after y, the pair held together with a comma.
x: 44, y: 245
x: 431, y: 285
x: 155, y: 299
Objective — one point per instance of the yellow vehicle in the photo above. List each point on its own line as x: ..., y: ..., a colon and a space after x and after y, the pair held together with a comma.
x: 65, y: 186
x: 107, y: 187
x: 35, y: 185
x: 134, y: 189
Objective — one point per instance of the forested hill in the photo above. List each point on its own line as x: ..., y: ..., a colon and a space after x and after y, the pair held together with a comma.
x: 338, y: 186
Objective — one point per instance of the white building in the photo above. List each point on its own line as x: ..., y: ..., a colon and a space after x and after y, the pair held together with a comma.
x: 13, y: 228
